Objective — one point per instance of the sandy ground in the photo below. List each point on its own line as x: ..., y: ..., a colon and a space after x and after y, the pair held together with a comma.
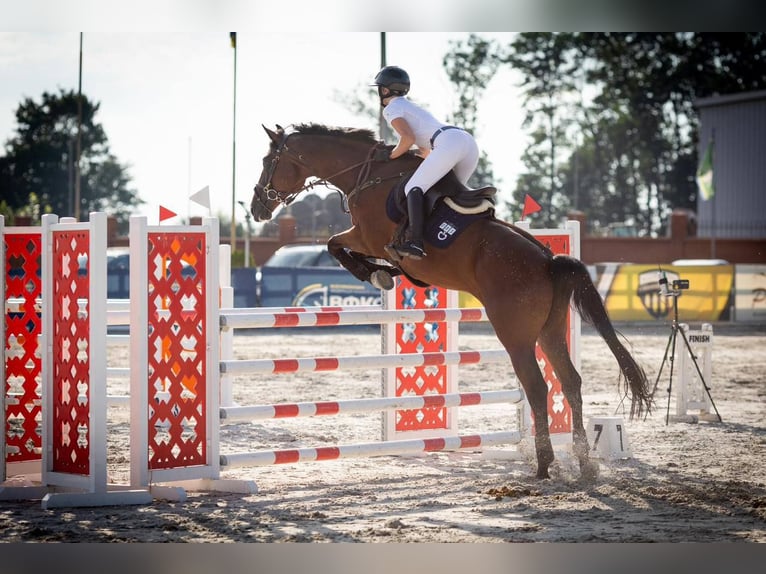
x: 702, y: 482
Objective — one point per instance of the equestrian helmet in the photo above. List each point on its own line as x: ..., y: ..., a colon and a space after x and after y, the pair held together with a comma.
x: 393, y: 78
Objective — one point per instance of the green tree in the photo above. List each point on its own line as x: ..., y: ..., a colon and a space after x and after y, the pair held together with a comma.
x: 627, y: 151
x: 550, y: 80
x: 39, y: 161
x: 470, y: 67
x: 655, y: 79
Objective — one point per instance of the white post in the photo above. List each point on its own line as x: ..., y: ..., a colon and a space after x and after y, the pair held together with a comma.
x: 575, y: 321
x: 212, y: 374
x: 139, y: 352
x: 46, y: 344
x: 97, y: 349
x: 227, y: 335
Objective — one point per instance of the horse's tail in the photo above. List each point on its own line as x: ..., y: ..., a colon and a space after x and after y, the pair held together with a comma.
x: 591, y: 308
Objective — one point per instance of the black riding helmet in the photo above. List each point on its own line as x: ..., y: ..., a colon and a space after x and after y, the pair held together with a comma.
x: 393, y: 78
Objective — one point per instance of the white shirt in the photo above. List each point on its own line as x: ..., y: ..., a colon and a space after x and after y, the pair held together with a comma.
x: 421, y: 122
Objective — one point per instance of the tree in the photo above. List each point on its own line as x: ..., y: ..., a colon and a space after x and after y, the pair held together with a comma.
x: 550, y: 79
x: 628, y: 152
x: 39, y: 164
x: 470, y: 67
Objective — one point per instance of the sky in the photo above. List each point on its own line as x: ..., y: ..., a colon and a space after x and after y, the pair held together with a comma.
x: 167, y: 98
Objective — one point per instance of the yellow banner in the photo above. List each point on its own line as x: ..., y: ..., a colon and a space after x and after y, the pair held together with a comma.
x: 632, y: 292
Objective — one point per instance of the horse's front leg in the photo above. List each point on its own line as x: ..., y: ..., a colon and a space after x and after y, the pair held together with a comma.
x: 348, y: 248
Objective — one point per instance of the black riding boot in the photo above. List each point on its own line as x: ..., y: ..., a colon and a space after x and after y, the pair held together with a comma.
x: 414, y: 246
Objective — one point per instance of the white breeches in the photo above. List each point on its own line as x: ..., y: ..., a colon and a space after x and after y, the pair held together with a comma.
x: 453, y: 150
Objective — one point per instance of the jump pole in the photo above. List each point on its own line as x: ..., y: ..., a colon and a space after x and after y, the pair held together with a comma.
x: 380, y: 448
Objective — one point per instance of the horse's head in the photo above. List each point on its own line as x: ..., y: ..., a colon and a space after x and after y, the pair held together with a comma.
x: 282, y: 178
x: 341, y: 158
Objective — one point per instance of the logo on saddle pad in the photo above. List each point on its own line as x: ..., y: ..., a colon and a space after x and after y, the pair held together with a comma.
x: 446, y: 230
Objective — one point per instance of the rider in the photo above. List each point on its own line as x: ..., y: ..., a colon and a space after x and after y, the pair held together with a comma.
x: 442, y: 146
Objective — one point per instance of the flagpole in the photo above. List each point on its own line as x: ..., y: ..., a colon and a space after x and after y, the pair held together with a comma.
x: 77, y: 177
x: 188, y: 182
x: 233, y: 232
x: 712, y: 205
x: 381, y: 121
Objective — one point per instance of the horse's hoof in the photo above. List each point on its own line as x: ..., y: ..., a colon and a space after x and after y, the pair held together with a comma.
x: 382, y: 280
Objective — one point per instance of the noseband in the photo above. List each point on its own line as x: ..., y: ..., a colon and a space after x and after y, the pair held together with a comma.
x: 286, y: 198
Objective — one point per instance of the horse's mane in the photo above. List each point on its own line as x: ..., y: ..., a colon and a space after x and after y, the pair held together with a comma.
x: 319, y: 129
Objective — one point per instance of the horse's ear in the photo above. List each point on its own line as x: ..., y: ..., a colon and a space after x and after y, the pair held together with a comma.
x: 273, y: 135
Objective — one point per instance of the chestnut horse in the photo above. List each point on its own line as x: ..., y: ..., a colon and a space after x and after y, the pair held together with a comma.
x: 524, y: 288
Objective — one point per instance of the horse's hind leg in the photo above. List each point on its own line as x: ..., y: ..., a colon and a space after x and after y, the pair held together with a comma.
x: 531, y: 379
x: 553, y: 343
x: 528, y: 373
x: 517, y: 321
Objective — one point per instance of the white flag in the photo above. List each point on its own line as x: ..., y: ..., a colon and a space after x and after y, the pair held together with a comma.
x: 202, y: 197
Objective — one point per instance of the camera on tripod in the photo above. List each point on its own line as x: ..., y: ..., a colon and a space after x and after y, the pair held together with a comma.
x: 675, y: 289
x: 677, y: 285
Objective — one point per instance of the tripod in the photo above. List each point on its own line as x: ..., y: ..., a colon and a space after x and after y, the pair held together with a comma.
x: 671, y: 348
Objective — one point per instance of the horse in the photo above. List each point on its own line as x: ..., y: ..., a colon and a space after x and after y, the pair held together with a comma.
x: 525, y: 289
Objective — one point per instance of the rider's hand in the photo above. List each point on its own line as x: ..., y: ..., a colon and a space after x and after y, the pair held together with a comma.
x: 382, y: 154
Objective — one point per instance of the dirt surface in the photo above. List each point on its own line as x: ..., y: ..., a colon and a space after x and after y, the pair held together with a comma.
x: 684, y: 482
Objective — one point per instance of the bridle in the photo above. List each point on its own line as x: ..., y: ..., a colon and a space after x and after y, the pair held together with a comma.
x: 287, y: 197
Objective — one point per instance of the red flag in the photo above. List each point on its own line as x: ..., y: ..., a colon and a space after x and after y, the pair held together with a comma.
x: 530, y: 206
x: 165, y: 213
